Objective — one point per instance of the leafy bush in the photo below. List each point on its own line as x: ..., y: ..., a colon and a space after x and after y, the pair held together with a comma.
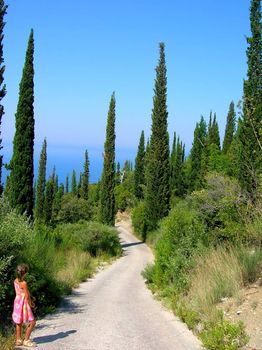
x: 91, y: 237
x: 182, y: 234
x: 139, y: 220
x: 73, y: 209
x: 221, y: 206
x: 224, y: 335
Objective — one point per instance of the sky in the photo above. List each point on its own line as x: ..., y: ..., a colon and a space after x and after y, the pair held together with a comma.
x: 85, y: 50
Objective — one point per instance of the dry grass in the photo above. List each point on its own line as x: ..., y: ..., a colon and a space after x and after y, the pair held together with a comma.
x: 217, y: 275
x: 77, y: 268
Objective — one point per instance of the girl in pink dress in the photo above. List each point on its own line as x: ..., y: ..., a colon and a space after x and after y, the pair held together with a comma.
x: 23, y: 305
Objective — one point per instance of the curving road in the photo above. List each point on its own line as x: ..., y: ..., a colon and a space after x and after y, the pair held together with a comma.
x: 115, y: 311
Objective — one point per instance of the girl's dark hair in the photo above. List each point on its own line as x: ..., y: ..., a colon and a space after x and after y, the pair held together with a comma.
x: 21, y: 270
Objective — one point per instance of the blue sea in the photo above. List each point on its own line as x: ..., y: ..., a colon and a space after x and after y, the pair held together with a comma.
x: 65, y: 158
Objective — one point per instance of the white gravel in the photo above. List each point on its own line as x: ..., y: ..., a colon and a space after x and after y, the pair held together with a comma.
x: 115, y: 311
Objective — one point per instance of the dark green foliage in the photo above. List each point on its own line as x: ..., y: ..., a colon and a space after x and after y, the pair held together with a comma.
x: 73, y: 184
x: 72, y: 209
x: 57, y: 201
x: 181, y: 234
x: 40, y: 190
x: 157, y: 160
x: 49, y: 198
x: 21, y: 165
x: 198, y: 157
x: 85, y: 178
x: 118, y: 174
x: 67, y: 184
x: 3, y: 9
x: 177, y: 178
x: 139, y: 172
x: 107, y: 187
x: 92, y: 237
x: 139, y: 220
x: 221, y: 207
x: 213, y: 132
x: 250, y: 135
x: 124, y: 192
x: 230, y: 128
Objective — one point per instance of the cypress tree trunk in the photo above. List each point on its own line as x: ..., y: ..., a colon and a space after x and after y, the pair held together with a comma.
x: 3, y: 9
x: 251, y: 127
x: 22, y: 163
x: 139, y: 173
x: 157, y: 161
x: 107, y: 189
x: 40, y: 191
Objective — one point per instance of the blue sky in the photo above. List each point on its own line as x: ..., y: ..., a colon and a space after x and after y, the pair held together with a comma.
x: 85, y: 50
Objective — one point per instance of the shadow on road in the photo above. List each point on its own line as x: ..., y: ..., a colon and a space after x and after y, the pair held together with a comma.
x: 126, y: 245
x: 52, y: 337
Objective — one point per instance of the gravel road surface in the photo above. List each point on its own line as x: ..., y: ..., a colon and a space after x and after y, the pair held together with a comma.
x: 115, y: 310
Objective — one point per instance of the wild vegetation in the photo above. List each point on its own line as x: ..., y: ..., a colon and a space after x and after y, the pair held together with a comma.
x: 201, y: 213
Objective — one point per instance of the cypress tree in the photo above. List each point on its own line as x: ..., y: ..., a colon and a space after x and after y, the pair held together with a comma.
x: 215, y: 133
x: 177, y: 171
x: 157, y: 162
x: 49, y: 198
x: 3, y: 9
x: 251, y: 127
x: 85, y: 177
x: 107, y: 189
x: 67, y: 184
x: 73, y: 184
x: 139, y: 172
x: 118, y: 174
x: 198, y: 157
x: 21, y: 165
x: 41, y: 182
x: 230, y: 128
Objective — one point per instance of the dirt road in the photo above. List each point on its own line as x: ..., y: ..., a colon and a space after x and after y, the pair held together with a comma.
x: 115, y: 311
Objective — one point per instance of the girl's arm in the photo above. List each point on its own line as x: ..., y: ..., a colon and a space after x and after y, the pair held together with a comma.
x: 27, y: 293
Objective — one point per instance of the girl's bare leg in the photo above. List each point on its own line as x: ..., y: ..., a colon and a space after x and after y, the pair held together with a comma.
x: 29, y: 329
x: 18, y: 331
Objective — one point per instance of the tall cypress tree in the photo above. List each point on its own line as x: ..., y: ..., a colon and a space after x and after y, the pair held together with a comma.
x: 251, y: 127
x: 198, y: 156
x: 230, y: 128
x: 22, y: 163
x: 139, y: 172
x: 67, y: 184
x: 73, y: 184
x: 85, y: 177
x: 3, y: 9
x: 157, y: 161
x: 107, y: 187
x: 177, y: 181
x: 215, y: 133
x: 41, y: 182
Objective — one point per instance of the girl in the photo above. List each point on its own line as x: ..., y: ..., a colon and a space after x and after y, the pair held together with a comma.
x: 22, y: 312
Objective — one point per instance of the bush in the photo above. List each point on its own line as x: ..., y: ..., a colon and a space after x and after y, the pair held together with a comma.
x: 139, y: 220
x: 221, y: 207
x: 224, y: 335
x: 182, y: 235
x: 73, y: 209
x: 91, y: 237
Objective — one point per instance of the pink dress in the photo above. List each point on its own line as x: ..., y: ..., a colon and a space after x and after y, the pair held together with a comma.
x: 22, y: 312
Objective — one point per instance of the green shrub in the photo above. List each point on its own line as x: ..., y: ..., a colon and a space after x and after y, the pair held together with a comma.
x: 139, y: 220
x: 221, y: 206
x: 182, y: 235
x: 92, y: 237
x: 224, y: 335
x: 73, y: 209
